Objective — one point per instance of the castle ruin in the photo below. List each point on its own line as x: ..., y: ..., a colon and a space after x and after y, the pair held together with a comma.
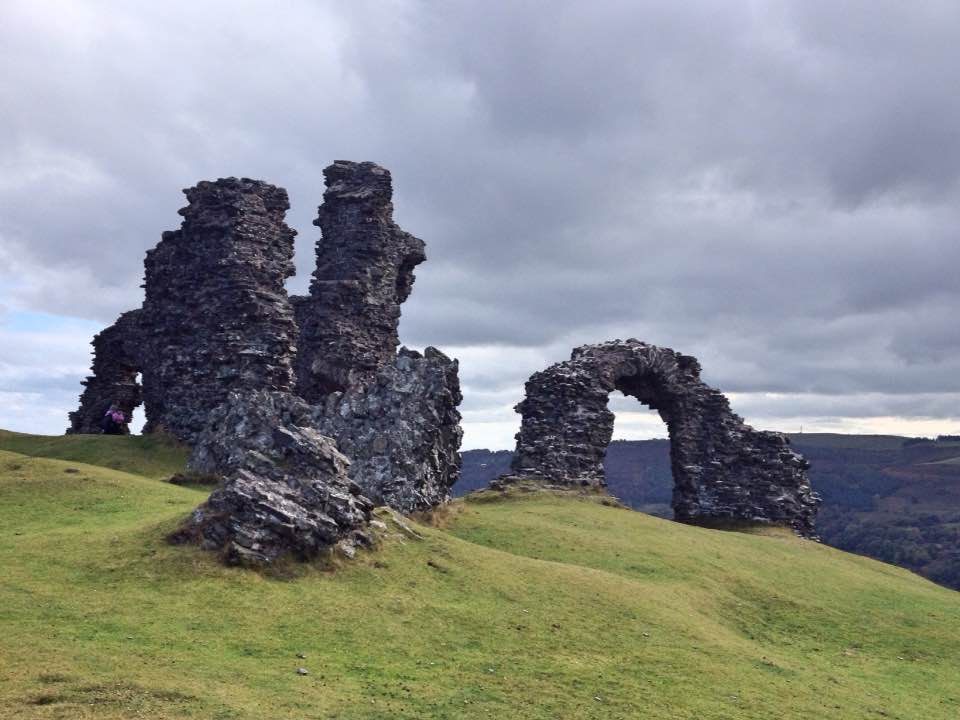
x: 310, y: 414
x: 723, y: 470
x: 218, y: 339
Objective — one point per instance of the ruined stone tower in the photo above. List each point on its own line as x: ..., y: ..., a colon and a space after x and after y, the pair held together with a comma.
x: 394, y: 414
x: 348, y: 323
x: 216, y: 345
x: 216, y: 316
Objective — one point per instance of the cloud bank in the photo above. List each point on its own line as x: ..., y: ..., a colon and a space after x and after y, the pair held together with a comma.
x: 772, y: 187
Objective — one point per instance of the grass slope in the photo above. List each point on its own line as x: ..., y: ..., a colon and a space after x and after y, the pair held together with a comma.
x: 152, y: 456
x: 534, y: 607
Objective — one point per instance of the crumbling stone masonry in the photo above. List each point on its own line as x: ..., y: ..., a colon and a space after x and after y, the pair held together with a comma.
x: 216, y: 344
x: 216, y: 317
x: 394, y: 415
x: 402, y: 431
x: 285, y: 486
x: 348, y: 322
x: 114, y: 378
x: 723, y: 469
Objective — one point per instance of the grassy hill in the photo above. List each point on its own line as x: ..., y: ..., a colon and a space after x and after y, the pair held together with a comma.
x: 527, y: 607
x: 152, y: 456
x: 892, y: 498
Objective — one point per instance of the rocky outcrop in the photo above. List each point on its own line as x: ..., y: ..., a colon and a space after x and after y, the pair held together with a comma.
x: 285, y: 487
x: 348, y: 323
x: 216, y: 317
x: 723, y: 469
x: 401, y: 431
x: 114, y: 376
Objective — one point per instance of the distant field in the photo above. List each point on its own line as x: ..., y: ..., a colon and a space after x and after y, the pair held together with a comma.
x: 852, y: 442
x: 521, y: 608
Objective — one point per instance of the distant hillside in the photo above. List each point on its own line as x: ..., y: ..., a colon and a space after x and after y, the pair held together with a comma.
x: 528, y: 608
x: 892, y: 498
x: 479, y: 468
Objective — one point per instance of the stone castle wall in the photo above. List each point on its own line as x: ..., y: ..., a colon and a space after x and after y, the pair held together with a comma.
x: 113, y: 381
x: 723, y: 469
x: 216, y: 343
x: 348, y: 321
x: 216, y: 317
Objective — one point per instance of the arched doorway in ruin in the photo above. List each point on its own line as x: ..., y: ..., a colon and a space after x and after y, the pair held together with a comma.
x: 637, y: 461
x: 723, y: 470
x: 115, y: 380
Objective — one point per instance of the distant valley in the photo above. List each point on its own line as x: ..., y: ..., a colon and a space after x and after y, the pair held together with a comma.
x: 892, y: 498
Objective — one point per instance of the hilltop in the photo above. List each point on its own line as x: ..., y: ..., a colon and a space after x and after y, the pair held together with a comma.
x: 536, y: 606
x: 892, y: 498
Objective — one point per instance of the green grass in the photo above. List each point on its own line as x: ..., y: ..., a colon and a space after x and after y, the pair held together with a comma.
x: 534, y: 607
x: 152, y: 456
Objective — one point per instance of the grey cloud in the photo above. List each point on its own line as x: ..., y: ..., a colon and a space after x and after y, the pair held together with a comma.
x: 946, y: 405
x: 771, y: 187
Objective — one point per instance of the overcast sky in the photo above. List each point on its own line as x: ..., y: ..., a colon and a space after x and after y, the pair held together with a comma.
x: 770, y: 186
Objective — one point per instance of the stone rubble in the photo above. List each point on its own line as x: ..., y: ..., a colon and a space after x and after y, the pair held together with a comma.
x: 285, y: 487
x: 723, y: 469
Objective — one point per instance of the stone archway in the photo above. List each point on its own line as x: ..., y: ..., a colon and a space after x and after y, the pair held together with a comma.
x: 723, y: 469
x: 114, y: 379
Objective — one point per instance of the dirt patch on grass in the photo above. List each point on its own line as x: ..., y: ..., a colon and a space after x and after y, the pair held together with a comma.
x: 126, y: 695
x: 52, y: 678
